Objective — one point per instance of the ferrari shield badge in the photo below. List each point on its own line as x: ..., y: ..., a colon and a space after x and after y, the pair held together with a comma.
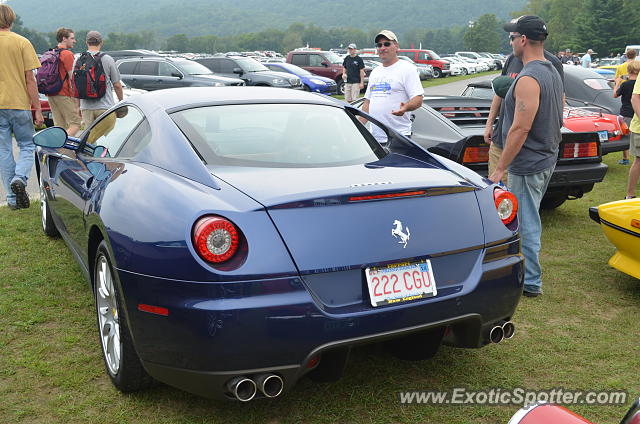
x: 400, y: 233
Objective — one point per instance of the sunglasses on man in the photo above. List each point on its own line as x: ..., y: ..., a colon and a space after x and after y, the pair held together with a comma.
x: 513, y: 37
x: 386, y: 44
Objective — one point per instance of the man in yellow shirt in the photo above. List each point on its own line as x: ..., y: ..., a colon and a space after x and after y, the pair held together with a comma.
x: 18, y: 92
x: 634, y: 143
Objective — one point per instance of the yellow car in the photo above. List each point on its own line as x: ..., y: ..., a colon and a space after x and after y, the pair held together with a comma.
x: 620, y: 222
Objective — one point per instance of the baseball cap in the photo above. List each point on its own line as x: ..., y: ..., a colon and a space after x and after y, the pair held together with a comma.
x: 531, y: 26
x: 386, y: 34
x: 94, y: 37
x: 352, y: 46
x: 501, y: 85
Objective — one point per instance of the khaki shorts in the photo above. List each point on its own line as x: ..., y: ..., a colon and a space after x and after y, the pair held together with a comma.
x: 634, y: 144
x: 63, y: 109
x: 494, y: 156
x: 103, y: 128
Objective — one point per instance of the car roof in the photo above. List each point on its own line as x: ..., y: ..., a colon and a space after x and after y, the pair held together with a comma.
x: 174, y: 99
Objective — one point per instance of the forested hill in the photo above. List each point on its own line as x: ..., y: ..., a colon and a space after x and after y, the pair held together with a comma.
x: 225, y: 17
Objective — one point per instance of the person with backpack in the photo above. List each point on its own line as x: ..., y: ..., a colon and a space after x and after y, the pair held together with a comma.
x: 57, y: 71
x: 95, y: 77
x: 18, y: 94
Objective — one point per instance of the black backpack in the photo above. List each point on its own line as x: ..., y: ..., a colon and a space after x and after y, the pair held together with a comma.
x: 89, y: 79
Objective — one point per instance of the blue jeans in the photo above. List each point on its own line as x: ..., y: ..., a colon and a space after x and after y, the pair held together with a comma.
x: 21, y: 124
x: 529, y: 190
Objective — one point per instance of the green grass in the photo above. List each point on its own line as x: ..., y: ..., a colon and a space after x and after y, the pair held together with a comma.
x: 581, y: 334
x: 441, y: 81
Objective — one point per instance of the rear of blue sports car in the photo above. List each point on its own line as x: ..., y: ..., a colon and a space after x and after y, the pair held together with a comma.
x: 315, y: 239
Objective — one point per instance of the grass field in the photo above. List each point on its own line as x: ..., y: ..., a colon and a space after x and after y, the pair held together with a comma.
x: 442, y: 81
x: 582, y: 334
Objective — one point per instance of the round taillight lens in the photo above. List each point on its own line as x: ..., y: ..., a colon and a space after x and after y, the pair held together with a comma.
x: 506, y: 205
x: 216, y: 239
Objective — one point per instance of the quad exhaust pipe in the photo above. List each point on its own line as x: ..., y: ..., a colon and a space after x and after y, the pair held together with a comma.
x: 503, y: 330
x: 244, y: 388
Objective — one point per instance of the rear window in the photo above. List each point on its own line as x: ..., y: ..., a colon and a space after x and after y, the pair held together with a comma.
x: 277, y: 135
x: 597, y: 83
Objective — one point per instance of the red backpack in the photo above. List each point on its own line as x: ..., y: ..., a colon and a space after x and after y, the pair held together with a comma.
x: 89, y: 80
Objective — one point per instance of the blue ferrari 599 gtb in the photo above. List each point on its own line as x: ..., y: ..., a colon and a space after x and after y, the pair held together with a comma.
x: 237, y: 239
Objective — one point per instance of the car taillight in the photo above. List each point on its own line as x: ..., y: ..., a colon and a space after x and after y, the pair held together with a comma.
x: 506, y: 205
x: 215, y: 238
x: 476, y: 154
x: 580, y: 150
x: 623, y: 125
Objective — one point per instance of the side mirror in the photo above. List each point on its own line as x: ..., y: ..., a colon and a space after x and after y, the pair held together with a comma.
x: 325, y: 64
x: 101, y: 152
x: 53, y: 137
x: 176, y: 74
x: 237, y: 71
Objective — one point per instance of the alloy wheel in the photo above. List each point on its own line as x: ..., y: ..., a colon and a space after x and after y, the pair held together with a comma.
x: 108, y: 320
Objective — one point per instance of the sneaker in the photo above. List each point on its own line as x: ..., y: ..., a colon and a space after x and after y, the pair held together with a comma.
x: 623, y: 162
x: 531, y: 294
x: 20, y: 189
x: 629, y: 197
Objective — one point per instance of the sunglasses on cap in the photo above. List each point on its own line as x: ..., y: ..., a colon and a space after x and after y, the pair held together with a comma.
x: 386, y: 44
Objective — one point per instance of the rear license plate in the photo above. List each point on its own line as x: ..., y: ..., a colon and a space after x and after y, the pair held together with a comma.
x: 399, y: 283
x: 604, y: 135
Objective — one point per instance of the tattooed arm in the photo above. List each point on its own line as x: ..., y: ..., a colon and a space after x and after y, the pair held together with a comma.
x: 527, y: 97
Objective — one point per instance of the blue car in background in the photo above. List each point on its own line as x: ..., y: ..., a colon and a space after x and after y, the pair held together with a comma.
x: 311, y: 82
x: 238, y: 239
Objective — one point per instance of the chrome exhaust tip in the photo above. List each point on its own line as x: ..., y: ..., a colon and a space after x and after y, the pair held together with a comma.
x: 508, y: 329
x: 270, y: 385
x: 242, y: 388
x: 496, y: 334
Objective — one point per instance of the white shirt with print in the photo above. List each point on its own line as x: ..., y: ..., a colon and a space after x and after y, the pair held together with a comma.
x: 388, y: 87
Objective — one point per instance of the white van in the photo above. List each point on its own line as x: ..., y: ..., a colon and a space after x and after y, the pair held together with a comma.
x: 635, y: 47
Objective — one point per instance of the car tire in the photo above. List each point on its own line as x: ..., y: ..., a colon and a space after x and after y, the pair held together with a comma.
x: 306, y: 87
x: 464, y: 71
x: 120, y: 358
x: 48, y: 226
x: 550, y: 202
x: 437, y: 73
x: 340, y: 84
x: 418, y: 346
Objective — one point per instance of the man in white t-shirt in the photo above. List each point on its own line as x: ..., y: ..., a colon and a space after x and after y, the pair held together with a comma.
x: 394, y: 89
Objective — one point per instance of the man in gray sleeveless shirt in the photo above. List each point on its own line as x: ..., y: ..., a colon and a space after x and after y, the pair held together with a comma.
x: 531, y: 133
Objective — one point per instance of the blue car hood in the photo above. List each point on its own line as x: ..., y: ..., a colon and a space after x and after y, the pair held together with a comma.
x: 325, y: 229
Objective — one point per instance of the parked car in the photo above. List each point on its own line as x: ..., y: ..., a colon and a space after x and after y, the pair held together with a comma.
x: 612, y: 130
x: 490, y: 62
x: 453, y: 126
x: 550, y: 413
x: 155, y: 73
x: 584, y: 87
x: 440, y: 67
x: 200, y: 217
x: 324, y: 63
x: 466, y: 68
x: 608, y: 61
x: 121, y: 54
x: 425, y: 72
x: 250, y: 71
x: 46, y: 111
x: 620, y: 222
x: 497, y: 62
x: 310, y: 82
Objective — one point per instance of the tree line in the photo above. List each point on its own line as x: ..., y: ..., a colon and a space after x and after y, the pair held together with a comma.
x: 606, y: 26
